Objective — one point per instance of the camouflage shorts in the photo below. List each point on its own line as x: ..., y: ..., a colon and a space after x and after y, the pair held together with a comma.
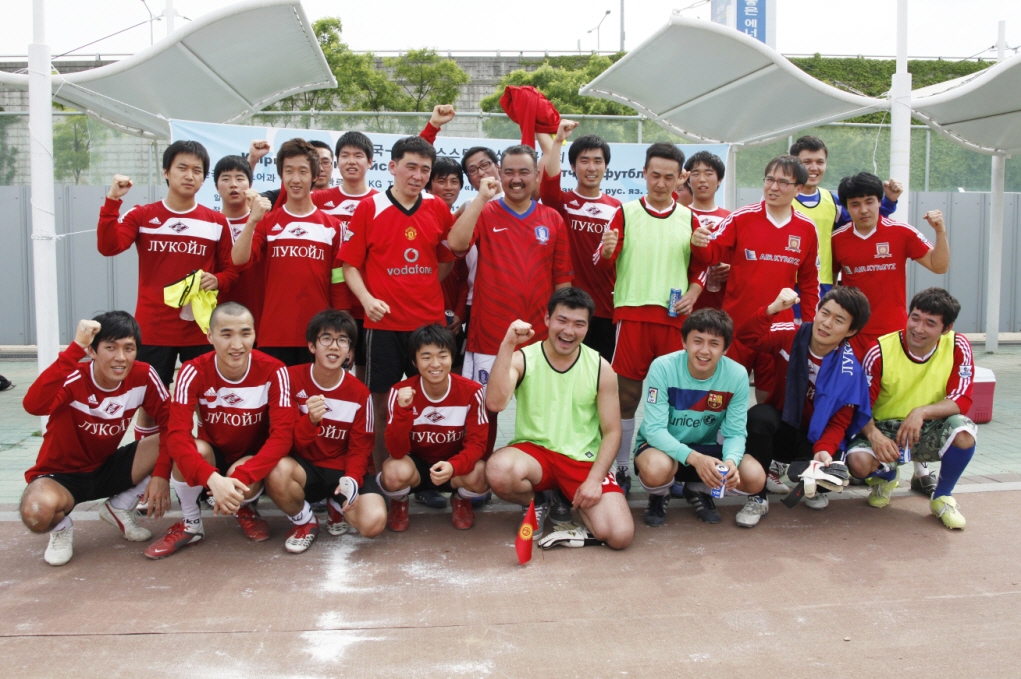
x: 933, y: 440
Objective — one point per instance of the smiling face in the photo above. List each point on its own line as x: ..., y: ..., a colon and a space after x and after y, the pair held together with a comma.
x: 479, y: 165
x: 332, y: 349
x: 325, y: 169
x: 185, y: 175
x: 517, y: 176
x: 832, y: 325
x: 590, y: 166
x: 815, y: 163
x: 923, y: 331
x: 296, y: 173
x: 434, y: 363
x: 567, y: 329
x: 112, y: 361
x: 704, y: 351
x: 411, y: 175
x: 779, y: 188
x: 447, y: 188
x: 231, y: 185
x: 232, y: 338
x: 353, y: 164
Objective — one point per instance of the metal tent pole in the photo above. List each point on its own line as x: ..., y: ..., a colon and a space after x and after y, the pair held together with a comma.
x: 995, y: 268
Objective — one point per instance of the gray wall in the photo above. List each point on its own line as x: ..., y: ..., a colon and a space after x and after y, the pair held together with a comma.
x: 89, y: 283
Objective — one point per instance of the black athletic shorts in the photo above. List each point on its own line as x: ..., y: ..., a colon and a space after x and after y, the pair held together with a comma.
x: 289, y: 355
x: 321, y: 482
x: 387, y: 359
x: 113, y: 477
x: 164, y: 359
x: 427, y: 483
x: 360, y: 344
x: 686, y: 473
x: 602, y: 336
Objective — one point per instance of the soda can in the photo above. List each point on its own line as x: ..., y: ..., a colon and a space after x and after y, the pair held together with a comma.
x: 723, y: 470
x: 905, y: 455
x: 450, y: 317
x: 675, y: 297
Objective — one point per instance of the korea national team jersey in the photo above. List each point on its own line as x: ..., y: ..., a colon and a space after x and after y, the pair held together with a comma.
x: 333, y: 201
x: 586, y: 220
x: 170, y: 246
x: 454, y: 428
x: 712, y: 220
x: 876, y: 264
x: 343, y: 439
x: 521, y: 259
x: 87, y: 422
x: 250, y: 288
x: 299, y: 253
x: 252, y: 416
x: 400, y: 250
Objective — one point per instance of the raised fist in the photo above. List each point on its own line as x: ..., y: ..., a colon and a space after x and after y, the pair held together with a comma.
x: 892, y: 188
x: 785, y: 300
x: 119, y: 187
x: 488, y: 187
x: 519, y: 332
x: 257, y: 150
x: 258, y: 204
x: 935, y: 219
x: 442, y: 114
x: 566, y: 128
x: 86, y: 332
x: 404, y: 396
x: 316, y: 408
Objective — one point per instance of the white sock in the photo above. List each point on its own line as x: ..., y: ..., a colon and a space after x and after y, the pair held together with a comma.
x: 253, y: 499
x: 128, y: 500
x: 466, y: 494
x: 64, y: 524
x: 302, y: 517
x: 627, y: 436
x: 391, y: 494
x: 656, y: 490
x: 921, y: 471
x: 189, y: 499
x: 335, y: 505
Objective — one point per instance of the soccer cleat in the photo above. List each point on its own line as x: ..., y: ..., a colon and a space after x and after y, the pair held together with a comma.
x: 397, y: 517
x: 301, y: 537
x: 124, y: 521
x: 677, y: 490
x: 61, y: 547
x: 818, y: 501
x: 624, y: 480
x: 254, y: 526
x: 655, y: 513
x: 335, y: 523
x: 577, y: 537
x: 462, y: 516
x: 560, y: 510
x: 773, y: 483
x: 945, y: 509
x: 755, y: 508
x: 881, y: 491
x: 926, y: 485
x: 176, y: 538
x: 541, y: 512
x: 705, y: 508
x: 431, y: 498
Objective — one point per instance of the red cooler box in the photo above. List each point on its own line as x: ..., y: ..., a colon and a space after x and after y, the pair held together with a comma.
x: 982, y: 396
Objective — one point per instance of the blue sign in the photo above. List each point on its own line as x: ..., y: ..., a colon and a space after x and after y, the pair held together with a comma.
x: 751, y: 18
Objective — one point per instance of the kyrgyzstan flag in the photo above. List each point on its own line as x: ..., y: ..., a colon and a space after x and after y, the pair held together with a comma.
x: 523, y: 543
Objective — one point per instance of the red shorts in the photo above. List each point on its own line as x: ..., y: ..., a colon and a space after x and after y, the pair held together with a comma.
x: 560, y: 471
x: 639, y: 343
x: 762, y: 364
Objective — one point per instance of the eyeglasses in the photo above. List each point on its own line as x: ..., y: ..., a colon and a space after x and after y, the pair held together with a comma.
x: 325, y: 341
x: 480, y: 168
x: 782, y: 183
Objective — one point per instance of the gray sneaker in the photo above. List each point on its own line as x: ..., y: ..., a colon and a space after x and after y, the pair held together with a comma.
x: 755, y: 508
x: 560, y: 510
x: 541, y: 512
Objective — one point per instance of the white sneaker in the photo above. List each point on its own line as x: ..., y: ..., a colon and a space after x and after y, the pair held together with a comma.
x: 579, y: 537
x: 755, y: 508
x: 61, y: 547
x: 820, y: 501
x: 124, y: 521
x: 773, y: 483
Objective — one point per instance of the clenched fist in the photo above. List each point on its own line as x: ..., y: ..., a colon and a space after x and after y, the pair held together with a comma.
x: 701, y: 237
x: 610, y: 239
x: 258, y: 204
x: 86, y: 332
x: 119, y: 187
x: 404, y: 396
x: 488, y: 187
x: 519, y: 332
x: 316, y: 408
x: 785, y: 300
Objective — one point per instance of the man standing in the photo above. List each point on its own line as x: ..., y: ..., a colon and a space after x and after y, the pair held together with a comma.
x: 705, y: 173
x: 233, y: 177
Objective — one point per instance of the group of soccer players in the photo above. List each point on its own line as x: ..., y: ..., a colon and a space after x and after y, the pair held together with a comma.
x: 325, y: 374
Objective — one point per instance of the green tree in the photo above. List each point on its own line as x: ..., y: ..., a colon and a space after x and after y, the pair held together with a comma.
x: 72, y: 148
x: 426, y: 79
x: 8, y: 153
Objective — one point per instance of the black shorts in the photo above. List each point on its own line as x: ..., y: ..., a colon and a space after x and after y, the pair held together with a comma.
x: 164, y: 359
x: 686, y: 473
x: 321, y: 482
x: 113, y: 477
x: 387, y: 359
x: 360, y: 344
x: 602, y: 336
x: 427, y: 483
x: 289, y: 355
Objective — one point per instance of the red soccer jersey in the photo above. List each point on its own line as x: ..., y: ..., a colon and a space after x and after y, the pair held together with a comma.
x: 252, y: 416
x: 521, y: 259
x: 877, y: 265
x: 400, y: 252
x: 341, y: 206
x: 764, y: 259
x: 455, y: 428
x: 711, y: 219
x: 586, y: 220
x: 960, y: 384
x: 299, y: 254
x: 250, y: 288
x: 170, y: 246
x: 88, y: 422
x: 343, y: 439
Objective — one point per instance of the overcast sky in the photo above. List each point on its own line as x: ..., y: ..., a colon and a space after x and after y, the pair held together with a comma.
x: 949, y: 28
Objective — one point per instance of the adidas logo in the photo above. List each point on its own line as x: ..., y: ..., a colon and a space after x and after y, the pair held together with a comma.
x: 155, y: 220
x: 277, y: 228
x: 301, y: 394
x: 330, y: 204
x: 210, y: 393
x: 573, y: 203
x: 92, y: 400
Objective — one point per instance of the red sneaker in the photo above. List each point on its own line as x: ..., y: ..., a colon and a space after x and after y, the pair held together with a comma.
x: 301, y: 537
x: 397, y: 518
x: 255, y: 527
x: 176, y: 538
x: 463, y: 516
x: 335, y: 523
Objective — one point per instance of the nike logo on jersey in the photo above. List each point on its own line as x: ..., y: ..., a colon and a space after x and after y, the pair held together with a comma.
x: 499, y: 230
x: 155, y: 220
x: 301, y: 394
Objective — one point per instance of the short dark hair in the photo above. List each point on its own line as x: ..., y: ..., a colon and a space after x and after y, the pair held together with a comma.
x: 938, y: 302
x: 662, y: 149
x: 186, y: 146
x: 712, y: 321
x: 587, y: 143
x: 853, y: 301
x: 434, y: 334
x: 116, y: 325
x: 357, y: 140
x: 444, y: 167
x: 572, y: 298
x: 809, y: 143
x: 331, y: 319
x: 231, y: 309
x: 298, y: 148
x: 321, y: 145
x: 791, y: 166
x: 521, y: 150
x: 415, y: 145
x: 859, y: 186
x: 232, y: 164
x: 490, y: 153
x: 709, y: 160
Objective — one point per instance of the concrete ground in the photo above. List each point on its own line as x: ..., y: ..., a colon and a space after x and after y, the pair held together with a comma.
x: 839, y: 592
